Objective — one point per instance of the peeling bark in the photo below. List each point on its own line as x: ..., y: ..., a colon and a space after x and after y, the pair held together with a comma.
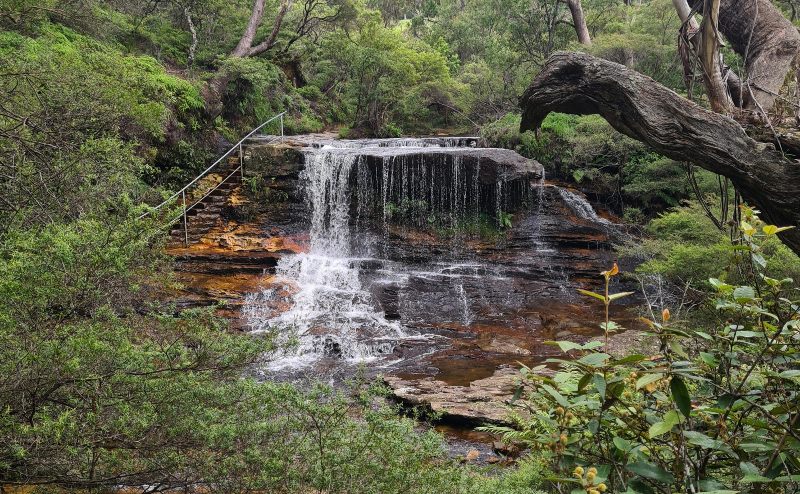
x: 193, y: 31
x: 644, y: 110
x: 766, y: 41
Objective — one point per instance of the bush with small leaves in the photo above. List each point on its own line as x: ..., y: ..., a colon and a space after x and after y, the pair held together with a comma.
x: 715, y: 409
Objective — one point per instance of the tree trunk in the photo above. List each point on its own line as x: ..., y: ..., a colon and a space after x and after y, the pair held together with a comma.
x: 245, y: 46
x: 645, y: 110
x: 767, y: 42
x: 193, y: 31
x: 249, y: 35
x: 579, y: 20
x: 684, y: 11
x: 216, y: 86
x: 709, y: 59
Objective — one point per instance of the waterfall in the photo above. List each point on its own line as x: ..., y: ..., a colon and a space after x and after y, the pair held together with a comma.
x: 581, y: 206
x: 330, y: 302
x: 332, y: 314
x: 401, y: 142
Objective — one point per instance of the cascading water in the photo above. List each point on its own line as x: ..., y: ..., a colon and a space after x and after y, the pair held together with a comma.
x: 332, y: 314
x: 581, y: 206
x: 364, y: 290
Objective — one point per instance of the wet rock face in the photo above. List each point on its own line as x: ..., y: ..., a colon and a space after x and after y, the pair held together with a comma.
x: 413, y: 182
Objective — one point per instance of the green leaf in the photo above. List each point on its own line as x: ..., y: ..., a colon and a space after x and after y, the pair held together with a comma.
x: 647, y: 379
x: 709, y: 359
x: 670, y: 420
x: 751, y: 473
x: 749, y: 447
x: 677, y: 349
x: 719, y: 285
x: 584, y: 381
x: 610, y: 327
x: 744, y: 294
x: 565, y: 346
x: 659, y: 428
x: 517, y: 394
x: 594, y: 359
x: 600, y: 384
x: 617, y: 296
x: 680, y: 395
x: 622, y: 444
x: 700, y: 439
x: 650, y: 471
x: 630, y: 359
x: 556, y: 395
x: 754, y: 478
x: 593, y: 294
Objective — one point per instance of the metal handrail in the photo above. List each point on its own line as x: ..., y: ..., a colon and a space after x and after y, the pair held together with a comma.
x: 186, y: 210
x: 238, y: 145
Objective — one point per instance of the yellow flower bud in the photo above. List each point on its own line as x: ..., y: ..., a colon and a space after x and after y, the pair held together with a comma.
x: 665, y: 315
x: 578, y: 471
x: 593, y: 471
x: 590, y: 475
x: 602, y: 487
x: 593, y: 491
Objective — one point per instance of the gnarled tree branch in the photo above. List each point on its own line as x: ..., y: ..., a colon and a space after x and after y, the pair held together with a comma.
x: 643, y: 109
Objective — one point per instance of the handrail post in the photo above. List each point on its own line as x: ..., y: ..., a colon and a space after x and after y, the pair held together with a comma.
x: 241, y: 161
x: 185, y: 223
x: 281, y: 127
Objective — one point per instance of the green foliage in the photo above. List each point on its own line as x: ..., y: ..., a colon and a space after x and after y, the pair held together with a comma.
x: 137, y: 87
x: 714, y: 411
x: 642, y: 37
x: 389, y: 83
x: 685, y: 236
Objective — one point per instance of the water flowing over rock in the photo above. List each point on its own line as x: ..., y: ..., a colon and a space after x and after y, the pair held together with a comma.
x: 356, y: 191
x: 433, y: 261
x: 581, y: 206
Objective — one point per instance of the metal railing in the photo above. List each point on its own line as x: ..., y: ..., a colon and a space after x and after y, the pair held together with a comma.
x: 182, y: 192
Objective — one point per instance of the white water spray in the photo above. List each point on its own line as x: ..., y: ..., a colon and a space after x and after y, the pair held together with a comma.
x: 332, y: 315
x: 581, y: 206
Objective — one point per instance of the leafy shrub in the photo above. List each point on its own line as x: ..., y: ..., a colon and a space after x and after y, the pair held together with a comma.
x: 714, y: 411
x: 685, y: 236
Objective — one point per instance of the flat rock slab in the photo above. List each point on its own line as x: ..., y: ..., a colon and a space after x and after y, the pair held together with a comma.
x: 494, y: 162
x: 483, y: 401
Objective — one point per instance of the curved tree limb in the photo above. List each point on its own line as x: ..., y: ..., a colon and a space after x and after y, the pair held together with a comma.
x: 643, y: 109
